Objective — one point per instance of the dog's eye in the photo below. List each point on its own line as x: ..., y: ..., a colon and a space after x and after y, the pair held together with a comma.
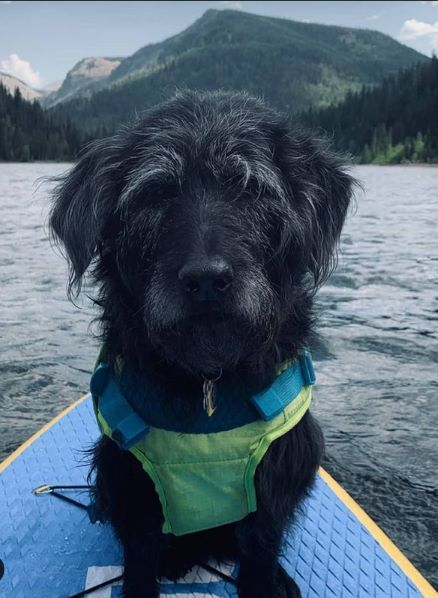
x: 155, y: 195
x: 161, y: 192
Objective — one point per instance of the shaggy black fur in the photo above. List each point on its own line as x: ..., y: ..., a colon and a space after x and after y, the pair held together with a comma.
x: 209, y: 225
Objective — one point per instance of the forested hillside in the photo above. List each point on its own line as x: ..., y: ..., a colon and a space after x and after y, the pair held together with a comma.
x: 293, y: 65
x: 392, y: 123
x: 28, y: 133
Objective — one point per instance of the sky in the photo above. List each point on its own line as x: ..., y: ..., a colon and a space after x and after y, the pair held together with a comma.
x: 41, y: 41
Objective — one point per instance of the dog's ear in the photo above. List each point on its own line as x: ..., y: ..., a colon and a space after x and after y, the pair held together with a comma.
x: 321, y: 190
x: 83, y: 201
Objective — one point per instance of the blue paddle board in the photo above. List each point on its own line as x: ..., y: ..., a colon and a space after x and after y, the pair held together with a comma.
x: 49, y: 548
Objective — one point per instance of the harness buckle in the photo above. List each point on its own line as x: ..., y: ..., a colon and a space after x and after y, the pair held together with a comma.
x: 127, y: 427
x: 307, y: 369
x: 286, y: 387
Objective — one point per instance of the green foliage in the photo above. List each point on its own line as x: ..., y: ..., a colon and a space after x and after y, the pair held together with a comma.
x: 28, y: 133
x: 392, y: 123
x: 292, y: 65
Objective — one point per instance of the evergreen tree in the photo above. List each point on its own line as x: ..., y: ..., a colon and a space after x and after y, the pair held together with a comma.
x: 28, y: 133
x: 394, y: 122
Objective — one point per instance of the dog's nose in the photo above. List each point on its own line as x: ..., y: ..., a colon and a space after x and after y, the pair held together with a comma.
x: 207, y: 279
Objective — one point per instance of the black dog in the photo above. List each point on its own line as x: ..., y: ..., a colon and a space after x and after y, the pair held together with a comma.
x: 209, y: 196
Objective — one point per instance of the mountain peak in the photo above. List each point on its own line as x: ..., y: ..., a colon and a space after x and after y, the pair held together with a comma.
x: 293, y: 65
x: 85, y: 74
x: 94, y: 67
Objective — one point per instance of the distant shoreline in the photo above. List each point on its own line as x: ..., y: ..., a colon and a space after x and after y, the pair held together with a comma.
x: 38, y: 162
x: 431, y: 164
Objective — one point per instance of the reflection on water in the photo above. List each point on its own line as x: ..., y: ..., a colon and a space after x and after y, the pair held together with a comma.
x: 376, y: 361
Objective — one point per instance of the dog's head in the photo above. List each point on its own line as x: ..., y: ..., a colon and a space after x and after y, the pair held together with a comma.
x: 209, y: 223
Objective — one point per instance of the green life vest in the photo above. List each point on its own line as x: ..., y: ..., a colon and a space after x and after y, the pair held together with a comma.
x: 204, y: 479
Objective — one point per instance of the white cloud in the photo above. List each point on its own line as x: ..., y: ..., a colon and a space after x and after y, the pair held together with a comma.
x: 232, y: 4
x: 21, y: 69
x: 5, y: 2
x: 431, y: 2
x: 413, y: 30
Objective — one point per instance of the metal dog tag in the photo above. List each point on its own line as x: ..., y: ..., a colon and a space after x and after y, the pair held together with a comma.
x: 208, y: 402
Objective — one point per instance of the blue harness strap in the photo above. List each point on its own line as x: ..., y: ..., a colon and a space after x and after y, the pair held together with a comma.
x: 128, y: 427
x: 286, y: 387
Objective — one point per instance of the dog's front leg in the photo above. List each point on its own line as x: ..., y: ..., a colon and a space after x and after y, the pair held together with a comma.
x: 137, y: 520
x: 259, y: 539
x: 127, y: 496
x: 136, y: 517
x: 141, y: 559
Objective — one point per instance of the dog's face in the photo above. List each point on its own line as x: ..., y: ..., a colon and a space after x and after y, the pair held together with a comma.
x: 209, y: 222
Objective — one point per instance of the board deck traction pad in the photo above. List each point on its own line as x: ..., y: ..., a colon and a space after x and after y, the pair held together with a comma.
x: 51, y: 550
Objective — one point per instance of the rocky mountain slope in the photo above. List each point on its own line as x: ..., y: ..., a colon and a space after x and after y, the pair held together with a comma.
x: 85, y: 77
x: 12, y: 83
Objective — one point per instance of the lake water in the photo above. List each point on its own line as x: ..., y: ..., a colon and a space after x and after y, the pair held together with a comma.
x: 377, y: 392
